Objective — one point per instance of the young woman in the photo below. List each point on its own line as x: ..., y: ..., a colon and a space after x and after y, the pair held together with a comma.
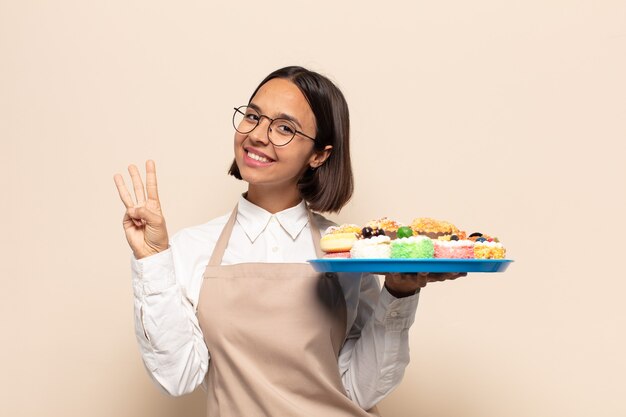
x: 232, y: 303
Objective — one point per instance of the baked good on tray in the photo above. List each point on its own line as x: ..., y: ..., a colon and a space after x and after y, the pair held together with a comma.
x: 338, y: 240
x: 375, y: 247
x: 412, y: 247
x: 425, y: 238
x: 454, y: 249
x: 389, y: 226
x: 432, y: 228
x: 489, y: 250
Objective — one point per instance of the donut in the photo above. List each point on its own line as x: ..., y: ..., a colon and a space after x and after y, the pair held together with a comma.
x: 337, y: 242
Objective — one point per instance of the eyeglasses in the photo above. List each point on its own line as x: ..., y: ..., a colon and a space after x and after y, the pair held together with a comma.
x: 280, y: 131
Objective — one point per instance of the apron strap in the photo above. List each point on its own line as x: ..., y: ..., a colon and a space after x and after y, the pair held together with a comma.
x: 222, y: 241
x: 315, y: 233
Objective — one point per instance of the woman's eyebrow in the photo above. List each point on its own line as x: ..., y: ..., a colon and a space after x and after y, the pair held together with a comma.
x: 278, y: 116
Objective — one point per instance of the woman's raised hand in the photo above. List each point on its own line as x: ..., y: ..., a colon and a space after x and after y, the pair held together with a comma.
x: 143, y: 221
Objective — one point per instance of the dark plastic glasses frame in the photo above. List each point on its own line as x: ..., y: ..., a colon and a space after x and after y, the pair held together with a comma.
x: 296, y: 131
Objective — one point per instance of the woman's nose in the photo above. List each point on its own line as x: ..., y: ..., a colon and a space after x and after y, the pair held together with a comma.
x: 261, y: 132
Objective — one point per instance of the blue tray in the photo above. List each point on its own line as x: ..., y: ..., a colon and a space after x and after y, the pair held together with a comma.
x: 410, y: 265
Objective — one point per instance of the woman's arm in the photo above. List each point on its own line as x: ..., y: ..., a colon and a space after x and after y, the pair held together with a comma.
x: 167, y: 330
x: 169, y: 336
x: 376, y: 352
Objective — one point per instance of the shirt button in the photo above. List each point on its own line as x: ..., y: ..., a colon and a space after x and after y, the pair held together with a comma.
x: 275, y: 249
x: 394, y: 314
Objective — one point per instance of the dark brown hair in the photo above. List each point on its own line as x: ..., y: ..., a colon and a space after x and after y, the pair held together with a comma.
x: 329, y: 187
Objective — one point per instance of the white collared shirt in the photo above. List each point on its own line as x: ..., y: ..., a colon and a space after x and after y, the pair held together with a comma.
x: 167, y: 285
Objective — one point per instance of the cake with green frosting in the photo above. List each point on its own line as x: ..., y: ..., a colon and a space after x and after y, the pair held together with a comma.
x: 412, y: 247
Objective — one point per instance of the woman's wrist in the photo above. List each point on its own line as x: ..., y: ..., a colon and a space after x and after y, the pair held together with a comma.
x: 401, y: 294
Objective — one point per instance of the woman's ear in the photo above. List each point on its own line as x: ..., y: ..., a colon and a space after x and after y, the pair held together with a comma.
x: 319, y: 157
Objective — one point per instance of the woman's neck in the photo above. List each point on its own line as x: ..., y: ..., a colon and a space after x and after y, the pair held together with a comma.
x: 273, y: 199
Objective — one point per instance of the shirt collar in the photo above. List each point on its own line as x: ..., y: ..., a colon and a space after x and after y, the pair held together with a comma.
x: 254, y: 219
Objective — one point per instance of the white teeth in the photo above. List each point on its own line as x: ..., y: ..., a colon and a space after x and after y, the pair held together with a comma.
x: 258, y: 157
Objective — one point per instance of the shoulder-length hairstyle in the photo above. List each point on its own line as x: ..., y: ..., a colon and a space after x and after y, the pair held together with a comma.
x: 329, y: 187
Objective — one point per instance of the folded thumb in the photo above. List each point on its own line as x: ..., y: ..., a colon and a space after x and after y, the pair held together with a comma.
x: 145, y: 214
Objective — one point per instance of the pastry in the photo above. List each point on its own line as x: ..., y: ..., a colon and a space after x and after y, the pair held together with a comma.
x: 338, y: 239
x: 337, y: 242
x: 484, y: 249
x: 373, y: 247
x: 389, y: 226
x: 412, y: 247
x: 454, y: 249
x: 432, y: 228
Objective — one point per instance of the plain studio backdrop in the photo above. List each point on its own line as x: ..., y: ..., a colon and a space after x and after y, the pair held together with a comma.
x: 506, y: 117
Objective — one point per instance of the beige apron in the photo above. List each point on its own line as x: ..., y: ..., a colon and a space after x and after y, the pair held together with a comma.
x: 274, y: 331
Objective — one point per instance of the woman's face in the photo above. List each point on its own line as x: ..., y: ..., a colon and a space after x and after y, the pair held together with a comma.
x: 262, y: 164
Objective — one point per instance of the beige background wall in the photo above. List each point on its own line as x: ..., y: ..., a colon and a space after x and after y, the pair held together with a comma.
x: 503, y: 117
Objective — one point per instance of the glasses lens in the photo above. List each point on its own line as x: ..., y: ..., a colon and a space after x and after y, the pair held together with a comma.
x: 245, y: 119
x: 281, y: 132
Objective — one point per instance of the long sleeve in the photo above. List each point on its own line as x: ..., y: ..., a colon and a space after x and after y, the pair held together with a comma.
x: 170, y: 340
x: 376, y: 352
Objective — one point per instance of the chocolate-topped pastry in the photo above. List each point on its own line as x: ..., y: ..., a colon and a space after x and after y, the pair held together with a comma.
x: 390, y: 227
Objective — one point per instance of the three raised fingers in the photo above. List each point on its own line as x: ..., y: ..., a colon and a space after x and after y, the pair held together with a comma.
x: 140, y: 194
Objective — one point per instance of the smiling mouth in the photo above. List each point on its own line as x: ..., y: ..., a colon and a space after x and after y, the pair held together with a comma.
x: 257, y: 157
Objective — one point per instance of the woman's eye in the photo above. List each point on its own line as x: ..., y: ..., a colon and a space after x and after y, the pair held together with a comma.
x: 252, y: 117
x: 286, y: 129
